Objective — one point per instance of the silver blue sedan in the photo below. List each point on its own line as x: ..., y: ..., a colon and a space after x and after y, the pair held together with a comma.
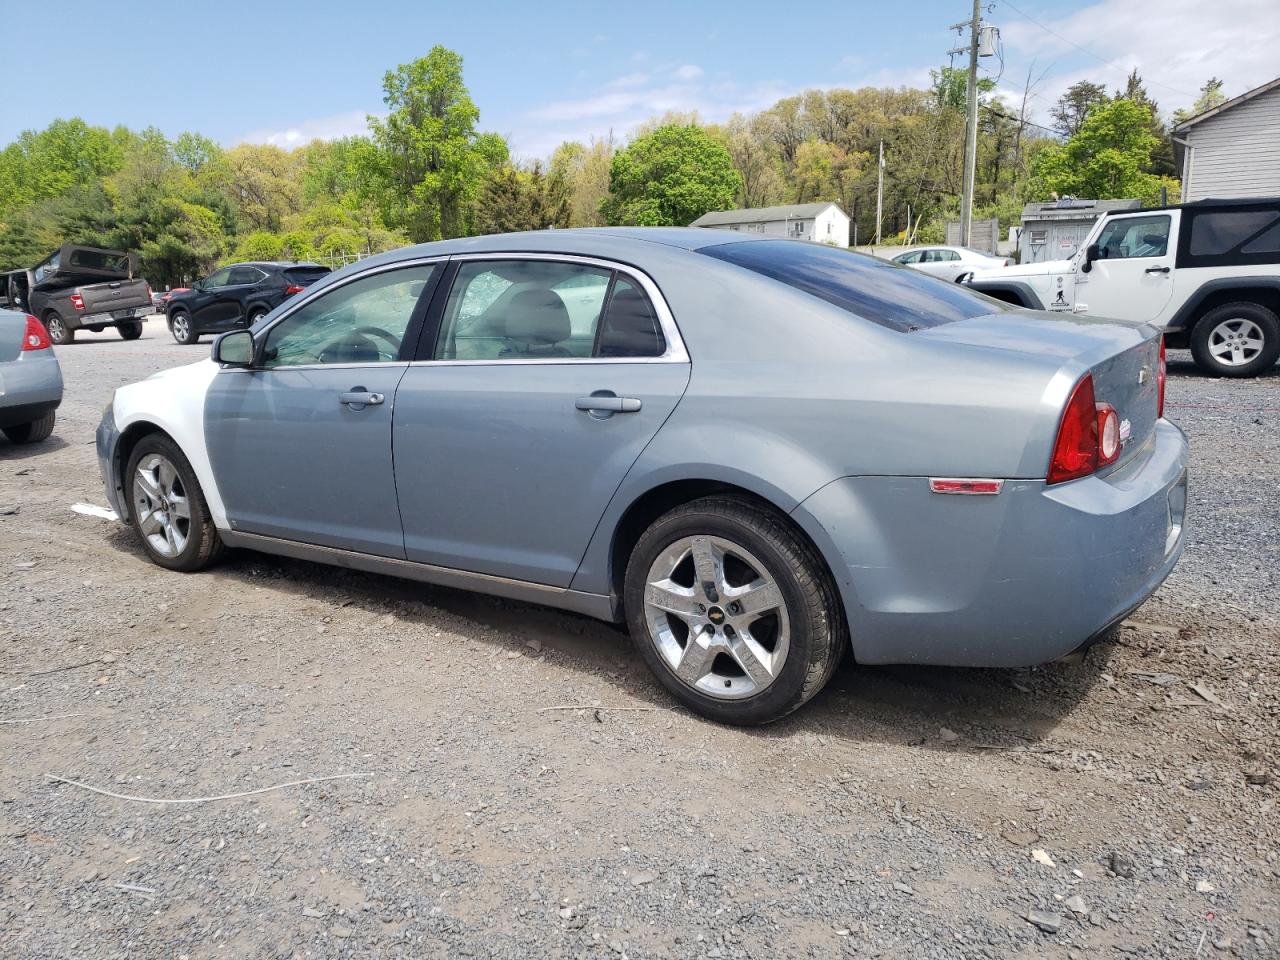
x: 30, y: 379
x: 761, y: 454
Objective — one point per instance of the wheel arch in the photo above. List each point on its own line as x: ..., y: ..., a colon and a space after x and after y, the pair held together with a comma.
x: 652, y: 503
x: 1264, y: 291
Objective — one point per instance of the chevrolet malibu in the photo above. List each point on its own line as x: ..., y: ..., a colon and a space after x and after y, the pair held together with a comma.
x: 760, y: 454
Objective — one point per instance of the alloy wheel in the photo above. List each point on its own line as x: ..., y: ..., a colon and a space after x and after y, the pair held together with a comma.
x: 180, y: 327
x: 1236, y: 341
x: 163, y: 510
x: 56, y: 329
x: 717, y: 617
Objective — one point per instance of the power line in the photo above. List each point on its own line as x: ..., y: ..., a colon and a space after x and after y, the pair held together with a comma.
x: 1025, y: 123
x: 1083, y: 49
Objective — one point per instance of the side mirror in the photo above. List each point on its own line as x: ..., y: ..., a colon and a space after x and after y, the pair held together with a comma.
x: 1090, y: 255
x: 234, y: 349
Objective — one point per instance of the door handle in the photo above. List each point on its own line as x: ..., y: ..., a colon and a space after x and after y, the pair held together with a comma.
x: 607, y: 403
x: 1156, y: 270
x: 359, y: 398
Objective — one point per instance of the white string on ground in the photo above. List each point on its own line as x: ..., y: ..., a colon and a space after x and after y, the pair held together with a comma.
x: 56, y: 716
x: 224, y: 796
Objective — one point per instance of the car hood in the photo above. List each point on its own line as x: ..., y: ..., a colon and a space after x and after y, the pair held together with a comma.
x: 1041, y: 269
x: 186, y: 370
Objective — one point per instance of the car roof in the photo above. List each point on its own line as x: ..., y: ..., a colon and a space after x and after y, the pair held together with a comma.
x: 277, y: 263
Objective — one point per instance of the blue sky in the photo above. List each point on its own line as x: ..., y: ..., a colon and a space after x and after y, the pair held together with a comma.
x: 549, y: 71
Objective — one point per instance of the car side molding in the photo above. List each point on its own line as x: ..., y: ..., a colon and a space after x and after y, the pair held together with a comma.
x: 589, y: 604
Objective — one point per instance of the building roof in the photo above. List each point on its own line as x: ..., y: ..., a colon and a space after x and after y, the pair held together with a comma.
x: 762, y: 214
x: 1228, y: 105
x: 1070, y: 208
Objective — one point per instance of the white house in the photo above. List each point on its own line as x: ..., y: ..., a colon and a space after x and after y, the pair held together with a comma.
x: 824, y: 222
x: 1233, y: 150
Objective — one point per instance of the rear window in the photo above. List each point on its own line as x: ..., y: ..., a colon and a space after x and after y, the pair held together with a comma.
x: 303, y: 276
x: 99, y: 260
x: 896, y: 297
x: 1237, y: 236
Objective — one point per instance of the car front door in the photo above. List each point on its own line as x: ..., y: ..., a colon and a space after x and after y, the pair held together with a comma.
x: 300, y: 443
x: 200, y: 302
x: 547, y: 378
x: 1132, y: 277
x: 233, y: 309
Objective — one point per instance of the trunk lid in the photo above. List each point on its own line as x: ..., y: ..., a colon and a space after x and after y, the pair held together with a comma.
x: 114, y: 295
x: 1123, y: 357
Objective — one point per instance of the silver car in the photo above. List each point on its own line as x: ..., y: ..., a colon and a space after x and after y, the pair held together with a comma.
x: 759, y: 453
x: 30, y: 379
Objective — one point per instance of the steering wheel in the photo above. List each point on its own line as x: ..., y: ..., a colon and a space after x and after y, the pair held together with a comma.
x: 391, y: 338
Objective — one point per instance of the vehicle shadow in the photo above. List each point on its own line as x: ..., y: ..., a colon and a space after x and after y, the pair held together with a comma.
x: 1181, y: 365
x: 986, y: 709
x: 25, y: 451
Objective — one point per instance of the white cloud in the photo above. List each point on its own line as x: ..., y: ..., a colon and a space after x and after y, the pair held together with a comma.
x: 1176, y: 46
x: 688, y: 72
x: 320, y: 128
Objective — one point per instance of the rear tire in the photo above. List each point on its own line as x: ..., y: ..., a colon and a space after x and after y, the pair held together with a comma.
x: 59, y: 332
x: 130, y: 331
x: 167, y: 509
x: 1236, y: 340
x: 755, y: 641
x: 255, y: 316
x: 33, y: 432
x: 180, y: 327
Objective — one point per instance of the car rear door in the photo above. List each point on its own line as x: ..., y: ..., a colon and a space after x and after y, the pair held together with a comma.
x: 301, y: 442
x: 544, y: 380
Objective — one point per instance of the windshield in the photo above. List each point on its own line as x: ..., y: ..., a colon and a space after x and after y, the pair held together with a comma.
x: 896, y: 297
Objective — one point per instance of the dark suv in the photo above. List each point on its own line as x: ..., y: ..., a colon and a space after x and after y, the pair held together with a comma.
x: 237, y: 296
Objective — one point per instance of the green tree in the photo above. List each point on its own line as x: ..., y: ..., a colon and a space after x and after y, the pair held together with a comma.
x: 435, y: 159
x: 1107, y: 159
x: 514, y: 199
x: 1211, y: 96
x: 1072, y: 108
x: 670, y: 177
x: 585, y: 170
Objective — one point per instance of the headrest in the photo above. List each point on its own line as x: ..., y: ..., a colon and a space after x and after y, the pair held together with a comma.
x: 538, y: 318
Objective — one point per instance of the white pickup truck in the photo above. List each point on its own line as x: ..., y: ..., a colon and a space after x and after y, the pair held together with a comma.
x: 1207, y: 272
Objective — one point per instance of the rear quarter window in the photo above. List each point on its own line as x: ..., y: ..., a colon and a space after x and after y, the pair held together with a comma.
x: 1235, y: 236
x: 895, y: 297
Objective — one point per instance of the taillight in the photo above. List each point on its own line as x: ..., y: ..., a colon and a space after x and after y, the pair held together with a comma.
x: 1162, y: 375
x: 1108, y: 434
x: 293, y: 288
x: 36, y: 337
x: 77, y: 301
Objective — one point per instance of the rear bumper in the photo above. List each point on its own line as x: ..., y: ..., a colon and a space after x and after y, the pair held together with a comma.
x: 1020, y: 578
x: 30, y: 387
x: 125, y: 315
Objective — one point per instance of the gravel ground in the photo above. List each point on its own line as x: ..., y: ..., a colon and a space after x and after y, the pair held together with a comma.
x: 1127, y: 805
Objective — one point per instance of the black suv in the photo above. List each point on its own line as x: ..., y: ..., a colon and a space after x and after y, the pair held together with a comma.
x: 237, y: 296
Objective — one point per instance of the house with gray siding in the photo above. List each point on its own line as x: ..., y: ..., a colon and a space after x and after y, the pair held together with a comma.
x: 823, y: 222
x: 1233, y: 150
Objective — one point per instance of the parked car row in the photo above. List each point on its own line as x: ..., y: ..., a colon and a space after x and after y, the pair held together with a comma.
x: 236, y: 296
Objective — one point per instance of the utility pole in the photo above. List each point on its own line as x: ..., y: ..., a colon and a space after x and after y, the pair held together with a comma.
x: 971, y: 128
x: 880, y: 193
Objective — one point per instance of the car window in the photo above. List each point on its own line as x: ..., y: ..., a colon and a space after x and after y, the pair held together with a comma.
x: 1132, y: 237
x: 948, y: 255
x: 522, y: 310
x: 912, y: 257
x: 866, y: 287
x: 363, y: 321
x: 218, y: 278
x: 1223, y: 232
x: 631, y: 327
x: 241, y: 275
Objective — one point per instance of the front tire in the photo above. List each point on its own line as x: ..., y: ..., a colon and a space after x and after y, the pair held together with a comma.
x: 130, y: 331
x: 167, y: 509
x: 59, y: 332
x: 181, y: 328
x: 33, y: 432
x: 1236, y: 340
x: 733, y: 610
